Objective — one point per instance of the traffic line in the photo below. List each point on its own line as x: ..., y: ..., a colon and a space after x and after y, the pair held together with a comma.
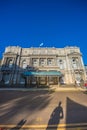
x: 77, y: 126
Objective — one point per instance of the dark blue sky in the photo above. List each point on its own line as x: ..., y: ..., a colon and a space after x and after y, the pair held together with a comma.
x: 57, y: 23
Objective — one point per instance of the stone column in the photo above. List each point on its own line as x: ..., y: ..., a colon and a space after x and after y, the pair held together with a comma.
x: 47, y: 81
x: 55, y: 61
x: 27, y: 80
x: 4, y: 61
x: 58, y: 82
x: 37, y: 81
x: 13, y: 71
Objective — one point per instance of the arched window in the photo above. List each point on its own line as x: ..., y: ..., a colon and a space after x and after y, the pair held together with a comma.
x: 78, y: 77
x: 74, y: 63
x: 24, y: 64
x: 61, y: 64
x: 10, y: 63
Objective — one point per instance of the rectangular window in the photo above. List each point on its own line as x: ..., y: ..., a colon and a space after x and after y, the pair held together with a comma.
x: 42, y: 62
x: 49, y: 62
x: 34, y: 62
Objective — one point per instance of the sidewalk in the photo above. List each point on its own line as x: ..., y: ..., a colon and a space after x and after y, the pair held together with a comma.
x: 69, y: 88
x: 52, y: 88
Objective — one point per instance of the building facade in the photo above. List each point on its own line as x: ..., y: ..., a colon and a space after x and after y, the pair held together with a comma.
x: 86, y: 72
x: 42, y: 66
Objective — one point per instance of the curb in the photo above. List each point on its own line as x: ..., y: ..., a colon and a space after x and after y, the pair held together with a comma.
x: 41, y: 89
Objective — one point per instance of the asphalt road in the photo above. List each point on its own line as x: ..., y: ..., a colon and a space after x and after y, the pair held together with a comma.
x: 45, y: 108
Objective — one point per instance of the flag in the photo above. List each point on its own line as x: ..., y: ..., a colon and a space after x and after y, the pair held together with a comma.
x: 41, y: 44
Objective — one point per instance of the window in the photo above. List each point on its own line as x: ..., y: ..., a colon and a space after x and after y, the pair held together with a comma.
x: 49, y: 62
x: 22, y: 80
x: 51, y: 79
x: 78, y: 77
x: 10, y: 64
x: 24, y: 64
x: 61, y: 79
x: 60, y: 61
x: 74, y: 60
x: 34, y: 62
x: 42, y: 80
x: 7, y: 78
x: 61, y: 64
x: 74, y: 63
x: 42, y: 62
x: 34, y: 80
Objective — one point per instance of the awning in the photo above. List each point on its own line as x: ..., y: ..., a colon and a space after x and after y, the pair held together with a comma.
x: 42, y: 73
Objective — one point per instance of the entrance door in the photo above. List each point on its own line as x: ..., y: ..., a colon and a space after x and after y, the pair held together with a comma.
x: 53, y: 80
x: 61, y: 80
x: 33, y: 80
x: 42, y: 80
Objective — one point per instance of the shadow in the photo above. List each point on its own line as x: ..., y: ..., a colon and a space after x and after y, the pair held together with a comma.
x: 15, y: 76
x: 55, y: 117
x: 85, y: 92
x: 26, y: 102
x: 76, y: 113
x: 19, y: 125
x: 15, y: 72
x: 9, y: 76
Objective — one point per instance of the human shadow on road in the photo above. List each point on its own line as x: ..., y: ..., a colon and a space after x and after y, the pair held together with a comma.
x: 55, y: 117
x: 19, y: 125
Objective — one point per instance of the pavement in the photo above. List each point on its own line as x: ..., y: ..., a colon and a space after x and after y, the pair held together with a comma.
x: 13, y: 106
x: 52, y: 88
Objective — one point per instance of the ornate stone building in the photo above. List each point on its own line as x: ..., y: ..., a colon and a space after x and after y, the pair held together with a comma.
x: 86, y: 72
x: 42, y: 66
